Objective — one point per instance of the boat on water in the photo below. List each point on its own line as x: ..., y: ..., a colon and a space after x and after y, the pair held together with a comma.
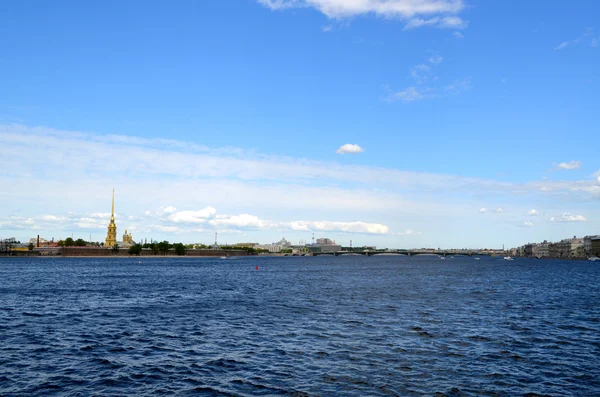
x: 442, y: 257
x: 593, y: 258
x: 223, y: 257
x: 508, y: 258
x: 477, y: 259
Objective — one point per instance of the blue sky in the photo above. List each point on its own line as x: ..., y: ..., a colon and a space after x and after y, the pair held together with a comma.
x: 456, y: 105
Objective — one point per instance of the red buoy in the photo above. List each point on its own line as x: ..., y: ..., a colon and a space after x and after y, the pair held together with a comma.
x: 256, y: 267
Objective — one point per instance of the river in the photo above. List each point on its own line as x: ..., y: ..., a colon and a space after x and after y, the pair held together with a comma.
x: 299, y: 326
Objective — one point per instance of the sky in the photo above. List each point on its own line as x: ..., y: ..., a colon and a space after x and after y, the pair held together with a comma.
x: 396, y: 123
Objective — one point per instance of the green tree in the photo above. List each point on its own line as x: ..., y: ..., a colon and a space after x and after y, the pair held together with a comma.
x: 80, y: 242
x: 135, y: 249
x: 164, y: 247
x: 69, y: 242
x: 179, y: 249
x: 116, y: 248
x: 61, y: 243
x: 30, y: 246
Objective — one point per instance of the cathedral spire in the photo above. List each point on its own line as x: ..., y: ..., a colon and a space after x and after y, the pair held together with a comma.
x: 111, y: 235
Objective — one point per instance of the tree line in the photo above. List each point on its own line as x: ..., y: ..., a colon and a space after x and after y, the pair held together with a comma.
x: 158, y: 248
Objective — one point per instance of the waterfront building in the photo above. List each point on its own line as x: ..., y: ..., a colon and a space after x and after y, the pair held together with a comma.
x: 277, y: 247
x: 542, y: 250
x: 283, y: 243
x: 537, y: 250
x: 595, y: 244
x: 554, y: 250
x: 566, y: 248
x: 325, y: 241
x: 323, y: 248
x: 272, y: 248
x: 587, y: 244
x: 111, y: 235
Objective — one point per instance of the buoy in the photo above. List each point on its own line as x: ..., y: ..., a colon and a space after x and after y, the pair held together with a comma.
x: 256, y: 267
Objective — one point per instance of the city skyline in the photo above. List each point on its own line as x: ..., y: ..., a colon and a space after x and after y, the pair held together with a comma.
x: 460, y: 124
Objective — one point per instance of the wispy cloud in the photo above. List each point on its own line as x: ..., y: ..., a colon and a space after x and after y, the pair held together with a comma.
x: 175, y: 184
x: 571, y: 165
x: 527, y: 224
x: 458, y: 35
x: 409, y: 94
x: 566, y: 217
x: 532, y: 212
x: 426, y: 84
x: 327, y: 28
x: 482, y: 210
x: 349, y: 148
x: 408, y: 232
x: 403, y: 9
x: 587, y: 36
x: 186, y: 221
x: 452, y: 22
x: 459, y: 86
x: 500, y: 210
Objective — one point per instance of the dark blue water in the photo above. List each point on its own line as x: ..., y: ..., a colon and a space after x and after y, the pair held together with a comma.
x: 325, y: 326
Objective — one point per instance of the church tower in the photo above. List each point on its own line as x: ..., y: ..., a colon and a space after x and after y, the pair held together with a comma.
x: 111, y: 236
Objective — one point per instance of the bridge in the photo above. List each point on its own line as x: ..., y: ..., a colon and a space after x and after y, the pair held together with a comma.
x: 407, y: 253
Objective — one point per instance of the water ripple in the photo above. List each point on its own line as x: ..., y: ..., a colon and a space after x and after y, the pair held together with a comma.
x: 377, y: 326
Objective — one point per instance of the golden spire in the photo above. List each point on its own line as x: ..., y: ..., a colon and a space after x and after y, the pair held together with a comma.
x: 112, y: 214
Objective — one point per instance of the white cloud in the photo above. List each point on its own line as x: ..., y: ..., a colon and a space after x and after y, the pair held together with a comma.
x: 566, y: 217
x: 349, y: 148
x: 53, y: 218
x: 408, y: 232
x: 584, y: 37
x: 240, y: 182
x: 571, y: 165
x: 451, y: 22
x: 500, y: 210
x: 101, y: 215
x: 403, y: 9
x: 532, y: 212
x: 562, y: 45
x: 246, y: 221
x: 436, y: 59
x: 459, y: 86
x: 483, y: 210
x: 241, y: 221
x: 348, y: 227
x: 458, y: 35
x: 169, y: 209
x: 200, y: 216
x: 166, y: 229
x: 598, y: 180
x: 527, y: 224
x: 327, y: 28
x: 409, y: 94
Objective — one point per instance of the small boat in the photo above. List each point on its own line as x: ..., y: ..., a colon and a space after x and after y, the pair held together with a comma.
x: 508, y: 258
x: 442, y: 257
x: 477, y: 259
x: 223, y: 257
x: 593, y: 258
